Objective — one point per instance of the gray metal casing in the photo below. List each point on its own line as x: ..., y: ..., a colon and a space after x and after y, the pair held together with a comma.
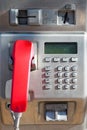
x: 38, y: 34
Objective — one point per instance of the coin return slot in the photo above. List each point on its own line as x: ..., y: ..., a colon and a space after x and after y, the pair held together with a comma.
x: 56, y: 112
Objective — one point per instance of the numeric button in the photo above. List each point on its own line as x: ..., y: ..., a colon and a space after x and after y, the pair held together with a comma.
x: 58, y: 86
x: 66, y: 68
x: 59, y: 68
x: 59, y: 81
x: 74, y: 68
x: 59, y: 74
x: 47, y: 80
x: 48, y: 86
x: 66, y: 86
x: 67, y: 81
x: 73, y: 86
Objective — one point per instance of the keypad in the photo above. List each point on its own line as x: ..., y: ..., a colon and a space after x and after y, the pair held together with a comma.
x: 68, y: 77
x: 61, y: 73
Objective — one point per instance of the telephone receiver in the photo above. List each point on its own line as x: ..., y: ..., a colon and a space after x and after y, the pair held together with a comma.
x: 22, y: 55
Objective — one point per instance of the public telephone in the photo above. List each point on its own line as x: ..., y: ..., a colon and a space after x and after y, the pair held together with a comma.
x: 43, y: 50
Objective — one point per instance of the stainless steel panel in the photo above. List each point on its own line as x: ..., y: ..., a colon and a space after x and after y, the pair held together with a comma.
x: 37, y: 87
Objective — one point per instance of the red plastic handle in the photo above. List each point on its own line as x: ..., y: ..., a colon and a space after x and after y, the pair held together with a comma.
x: 22, y: 56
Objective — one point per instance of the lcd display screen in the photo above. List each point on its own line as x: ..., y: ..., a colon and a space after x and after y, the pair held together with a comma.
x: 60, y: 48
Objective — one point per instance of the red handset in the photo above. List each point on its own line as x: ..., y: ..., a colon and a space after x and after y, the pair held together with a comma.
x: 22, y: 56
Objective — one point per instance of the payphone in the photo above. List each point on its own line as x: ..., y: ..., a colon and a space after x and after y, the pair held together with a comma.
x: 57, y: 68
